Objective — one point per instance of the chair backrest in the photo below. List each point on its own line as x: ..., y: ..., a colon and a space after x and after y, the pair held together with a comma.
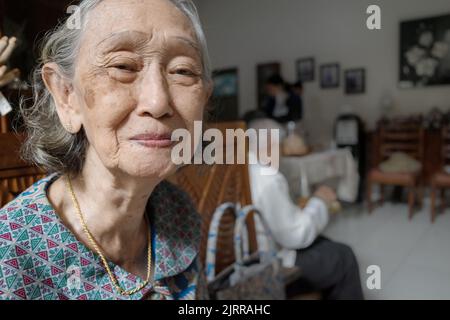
x: 211, y: 185
x: 445, y: 143
x: 15, y: 175
x: 401, y: 136
x: 4, y: 125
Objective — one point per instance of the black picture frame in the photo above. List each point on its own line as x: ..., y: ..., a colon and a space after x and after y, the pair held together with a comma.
x: 330, y: 76
x: 355, y: 81
x: 305, y: 68
x: 425, y: 52
x: 263, y: 72
x: 225, y: 97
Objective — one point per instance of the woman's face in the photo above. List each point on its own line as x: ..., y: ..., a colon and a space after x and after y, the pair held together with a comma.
x: 138, y: 78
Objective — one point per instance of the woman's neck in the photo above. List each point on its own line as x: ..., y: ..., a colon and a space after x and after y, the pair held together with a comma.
x: 113, y: 206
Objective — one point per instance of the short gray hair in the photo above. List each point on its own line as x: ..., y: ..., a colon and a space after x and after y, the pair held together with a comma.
x: 48, y: 144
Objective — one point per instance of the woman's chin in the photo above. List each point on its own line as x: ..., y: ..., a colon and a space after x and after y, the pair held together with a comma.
x: 155, y: 168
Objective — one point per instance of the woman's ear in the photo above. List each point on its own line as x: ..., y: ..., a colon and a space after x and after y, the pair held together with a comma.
x: 61, y: 90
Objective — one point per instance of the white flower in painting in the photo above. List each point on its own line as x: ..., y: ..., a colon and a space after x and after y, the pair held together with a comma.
x: 426, y: 39
x: 414, y: 55
x: 440, y: 50
x: 426, y: 67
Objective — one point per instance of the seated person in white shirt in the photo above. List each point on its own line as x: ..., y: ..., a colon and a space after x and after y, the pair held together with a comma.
x: 326, y: 266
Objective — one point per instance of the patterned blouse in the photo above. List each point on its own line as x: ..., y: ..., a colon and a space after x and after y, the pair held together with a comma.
x: 41, y: 259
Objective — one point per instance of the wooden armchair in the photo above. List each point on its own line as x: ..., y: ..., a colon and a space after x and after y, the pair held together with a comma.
x: 441, y: 179
x: 4, y: 125
x: 398, y: 136
x: 15, y: 175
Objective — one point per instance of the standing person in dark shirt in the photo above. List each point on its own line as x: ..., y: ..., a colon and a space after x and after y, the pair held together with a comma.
x: 296, y: 101
x: 282, y: 103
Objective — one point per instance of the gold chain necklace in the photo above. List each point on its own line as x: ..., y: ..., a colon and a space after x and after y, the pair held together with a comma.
x: 94, y: 244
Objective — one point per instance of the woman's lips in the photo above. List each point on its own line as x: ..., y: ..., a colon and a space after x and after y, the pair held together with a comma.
x: 153, y: 140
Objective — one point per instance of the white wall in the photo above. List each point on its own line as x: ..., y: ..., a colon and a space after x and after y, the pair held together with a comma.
x: 244, y: 33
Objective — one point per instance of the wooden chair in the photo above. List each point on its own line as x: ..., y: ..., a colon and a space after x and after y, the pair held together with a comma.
x: 15, y: 175
x: 398, y: 136
x: 441, y: 179
x: 4, y: 124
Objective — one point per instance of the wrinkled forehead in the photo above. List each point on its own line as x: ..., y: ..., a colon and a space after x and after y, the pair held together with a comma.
x: 135, y: 23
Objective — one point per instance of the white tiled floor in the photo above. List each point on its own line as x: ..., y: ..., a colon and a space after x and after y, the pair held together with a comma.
x: 414, y: 256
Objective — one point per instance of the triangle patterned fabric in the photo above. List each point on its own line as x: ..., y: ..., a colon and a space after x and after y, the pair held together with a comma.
x: 41, y: 259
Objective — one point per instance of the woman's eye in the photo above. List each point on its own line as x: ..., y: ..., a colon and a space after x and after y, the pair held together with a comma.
x: 186, y: 72
x: 125, y: 67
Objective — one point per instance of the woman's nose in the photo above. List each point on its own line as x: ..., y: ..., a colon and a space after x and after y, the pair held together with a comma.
x: 155, y: 100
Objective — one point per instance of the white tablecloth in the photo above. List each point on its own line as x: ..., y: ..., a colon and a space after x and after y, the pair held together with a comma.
x: 332, y: 165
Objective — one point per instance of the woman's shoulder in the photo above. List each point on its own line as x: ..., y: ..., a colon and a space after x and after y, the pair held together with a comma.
x: 26, y: 210
x: 177, y: 226
x: 265, y: 178
x: 170, y: 203
x: 22, y: 225
x: 34, y: 197
x: 172, y: 195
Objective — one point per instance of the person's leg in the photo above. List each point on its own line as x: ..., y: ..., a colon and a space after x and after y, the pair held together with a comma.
x: 331, y: 268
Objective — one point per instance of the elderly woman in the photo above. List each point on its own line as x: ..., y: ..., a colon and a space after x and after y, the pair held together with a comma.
x: 108, y: 95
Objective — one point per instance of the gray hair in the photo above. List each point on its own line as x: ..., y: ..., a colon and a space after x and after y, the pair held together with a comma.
x: 49, y: 145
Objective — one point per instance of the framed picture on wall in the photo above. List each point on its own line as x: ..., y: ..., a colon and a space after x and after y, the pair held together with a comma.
x: 225, y: 97
x: 425, y: 52
x: 225, y: 83
x: 355, y: 81
x: 330, y: 75
x: 305, y: 69
x: 264, y: 72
